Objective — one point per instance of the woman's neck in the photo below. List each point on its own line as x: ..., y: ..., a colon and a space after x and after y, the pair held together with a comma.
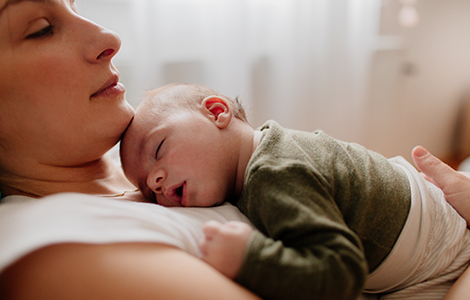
x: 100, y: 177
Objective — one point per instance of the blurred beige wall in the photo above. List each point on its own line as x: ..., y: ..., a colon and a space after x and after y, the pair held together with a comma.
x: 418, y: 78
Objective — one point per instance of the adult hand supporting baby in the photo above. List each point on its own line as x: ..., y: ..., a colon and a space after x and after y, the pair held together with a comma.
x: 223, y: 245
x: 455, y: 185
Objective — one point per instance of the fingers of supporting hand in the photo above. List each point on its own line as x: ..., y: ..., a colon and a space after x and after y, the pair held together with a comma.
x: 455, y: 185
x: 433, y: 168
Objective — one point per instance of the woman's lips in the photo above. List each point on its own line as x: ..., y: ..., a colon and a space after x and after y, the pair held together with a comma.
x: 112, y: 89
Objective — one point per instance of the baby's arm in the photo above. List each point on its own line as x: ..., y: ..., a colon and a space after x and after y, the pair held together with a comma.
x: 223, y: 245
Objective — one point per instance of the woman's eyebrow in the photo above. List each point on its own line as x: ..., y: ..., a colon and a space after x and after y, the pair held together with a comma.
x: 10, y: 2
x: 6, y: 5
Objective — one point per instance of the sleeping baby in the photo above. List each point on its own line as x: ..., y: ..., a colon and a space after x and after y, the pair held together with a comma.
x: 332, y: 218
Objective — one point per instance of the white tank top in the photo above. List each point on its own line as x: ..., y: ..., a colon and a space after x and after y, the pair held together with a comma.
x: 27, y: 224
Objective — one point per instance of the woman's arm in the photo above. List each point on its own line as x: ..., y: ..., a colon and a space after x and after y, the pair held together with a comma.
x: 115, y: 271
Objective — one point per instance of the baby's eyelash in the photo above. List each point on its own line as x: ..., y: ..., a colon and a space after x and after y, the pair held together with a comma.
x: 158, y: 148
x: 45, y: 32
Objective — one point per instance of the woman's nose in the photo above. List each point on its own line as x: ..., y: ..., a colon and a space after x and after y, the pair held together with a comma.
x: 155, y: 181
x: 101, y: 44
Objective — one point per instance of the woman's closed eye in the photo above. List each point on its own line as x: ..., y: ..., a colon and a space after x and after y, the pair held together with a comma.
x: 45, y: 32
x: 158, y: 149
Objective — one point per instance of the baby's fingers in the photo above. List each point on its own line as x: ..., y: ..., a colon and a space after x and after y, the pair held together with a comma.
x: 211, y: 229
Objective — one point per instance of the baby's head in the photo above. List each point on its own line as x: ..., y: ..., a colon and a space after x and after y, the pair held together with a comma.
x: 182, y: 147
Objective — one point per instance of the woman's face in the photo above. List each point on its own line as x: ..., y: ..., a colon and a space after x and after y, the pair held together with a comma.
x: 60, y: 100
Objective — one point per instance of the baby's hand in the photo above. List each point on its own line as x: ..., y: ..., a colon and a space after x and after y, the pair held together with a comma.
x: 223, y: 245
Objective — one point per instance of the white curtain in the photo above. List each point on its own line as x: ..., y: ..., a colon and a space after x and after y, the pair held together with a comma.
x: 303, y: 63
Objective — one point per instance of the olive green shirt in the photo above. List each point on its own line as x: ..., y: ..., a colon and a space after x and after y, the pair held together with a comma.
x: 328, y: 212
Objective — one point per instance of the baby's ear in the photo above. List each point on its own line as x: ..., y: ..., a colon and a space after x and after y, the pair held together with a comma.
x: 218, y: 110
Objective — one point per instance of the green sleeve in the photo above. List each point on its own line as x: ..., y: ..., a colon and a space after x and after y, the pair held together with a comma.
x: 311, y: 252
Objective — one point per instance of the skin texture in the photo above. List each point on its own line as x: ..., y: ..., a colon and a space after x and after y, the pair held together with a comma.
x: 61, y: 110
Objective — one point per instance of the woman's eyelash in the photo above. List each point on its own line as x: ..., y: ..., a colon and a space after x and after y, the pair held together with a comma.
x: 46, y: 31
x: 159, y: 146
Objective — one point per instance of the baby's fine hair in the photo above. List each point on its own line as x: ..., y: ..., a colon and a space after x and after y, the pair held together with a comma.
x: 191, y: 95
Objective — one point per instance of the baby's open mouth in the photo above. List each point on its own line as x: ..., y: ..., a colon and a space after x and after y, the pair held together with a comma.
x: 179, y: 191
x: 175, y: 193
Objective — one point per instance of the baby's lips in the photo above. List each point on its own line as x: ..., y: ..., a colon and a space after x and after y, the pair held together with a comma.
x: 172, y: 193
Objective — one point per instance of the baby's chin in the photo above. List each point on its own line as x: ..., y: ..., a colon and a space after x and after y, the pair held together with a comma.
x: 209, y: 201
x: 209, y: 195
x: 216, y: 201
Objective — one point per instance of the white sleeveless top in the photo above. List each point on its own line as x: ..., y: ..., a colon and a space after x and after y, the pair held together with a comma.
x: 28, y: 224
